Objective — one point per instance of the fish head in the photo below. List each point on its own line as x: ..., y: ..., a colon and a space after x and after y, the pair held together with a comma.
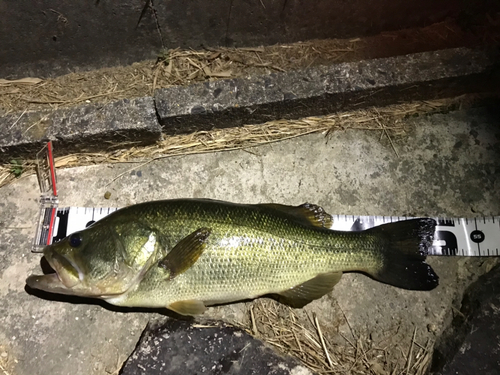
x: 100, y: 261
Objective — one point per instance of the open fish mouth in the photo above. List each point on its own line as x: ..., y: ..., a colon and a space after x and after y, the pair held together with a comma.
x: 65, y: 277
x: 49, y: 283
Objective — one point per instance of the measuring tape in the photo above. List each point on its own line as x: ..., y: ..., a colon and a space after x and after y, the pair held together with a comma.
x: 453, y: 236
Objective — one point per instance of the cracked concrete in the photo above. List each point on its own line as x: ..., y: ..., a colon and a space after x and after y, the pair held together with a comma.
x: 449, y: 164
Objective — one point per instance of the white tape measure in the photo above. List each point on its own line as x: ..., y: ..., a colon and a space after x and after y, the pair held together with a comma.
x: 453, y: 236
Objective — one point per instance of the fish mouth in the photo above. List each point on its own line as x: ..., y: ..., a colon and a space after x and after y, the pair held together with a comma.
x: 68, y: 278
x: 64, y: 280
x: 48, y: 283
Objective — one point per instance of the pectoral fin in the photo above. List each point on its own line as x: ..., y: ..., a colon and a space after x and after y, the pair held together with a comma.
x: 188, y: 307
x: 185, y: 253
x: 302, y: 294
x: 306, y: 213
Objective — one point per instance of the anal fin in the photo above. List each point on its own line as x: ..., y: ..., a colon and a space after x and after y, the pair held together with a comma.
x: 188, y: 307
x: 300, y: 295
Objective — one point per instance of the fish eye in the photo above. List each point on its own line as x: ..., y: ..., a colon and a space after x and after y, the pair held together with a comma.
x: 75, y: 240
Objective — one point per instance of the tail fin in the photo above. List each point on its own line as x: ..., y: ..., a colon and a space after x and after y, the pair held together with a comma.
x: 405, y: 248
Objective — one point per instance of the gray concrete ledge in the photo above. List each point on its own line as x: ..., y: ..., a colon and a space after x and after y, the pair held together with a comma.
x: 323, y: 90
x: 235, y: 102
x: 91, y: 127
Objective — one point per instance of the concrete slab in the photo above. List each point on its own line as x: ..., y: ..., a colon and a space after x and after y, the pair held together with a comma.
x: 448, y: 165
x: 87, y: 127
x: 325, y: 89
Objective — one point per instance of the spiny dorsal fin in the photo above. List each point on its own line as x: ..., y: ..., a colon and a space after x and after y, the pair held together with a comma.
x: 185, y: 253
x: 188, y: 307
x: 300, y: 295
x: 308, y: 213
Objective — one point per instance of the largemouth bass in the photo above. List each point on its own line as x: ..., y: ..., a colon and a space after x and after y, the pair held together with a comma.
x: 187, y: 254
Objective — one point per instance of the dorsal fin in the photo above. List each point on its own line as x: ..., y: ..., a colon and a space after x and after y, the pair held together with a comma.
x: 300, y: 295
x: 306, y: 213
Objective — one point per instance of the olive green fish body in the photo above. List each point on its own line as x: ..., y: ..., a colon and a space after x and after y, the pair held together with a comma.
x: 185, y: 254
x: 251, y: 251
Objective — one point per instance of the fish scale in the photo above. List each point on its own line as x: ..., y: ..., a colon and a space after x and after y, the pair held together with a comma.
x: 264, y: 262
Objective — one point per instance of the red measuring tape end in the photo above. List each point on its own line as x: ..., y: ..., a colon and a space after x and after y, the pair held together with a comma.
x: 51, y: 226
x: 52, y: 168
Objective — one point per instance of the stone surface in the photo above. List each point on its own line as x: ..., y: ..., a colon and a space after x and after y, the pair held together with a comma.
x: 327, y: 89
x: 88, y: 127
x: 44, y: 38
x: 180, y: 347
x: 448, y: 164
x: 472, y: 343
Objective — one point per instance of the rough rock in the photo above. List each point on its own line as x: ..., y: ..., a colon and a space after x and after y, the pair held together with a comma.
x: 471, y: 345
x: 180, y: 347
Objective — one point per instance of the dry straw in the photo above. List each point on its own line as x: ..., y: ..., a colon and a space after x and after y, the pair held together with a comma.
x: 171, y: 68
x: 317, y: 346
